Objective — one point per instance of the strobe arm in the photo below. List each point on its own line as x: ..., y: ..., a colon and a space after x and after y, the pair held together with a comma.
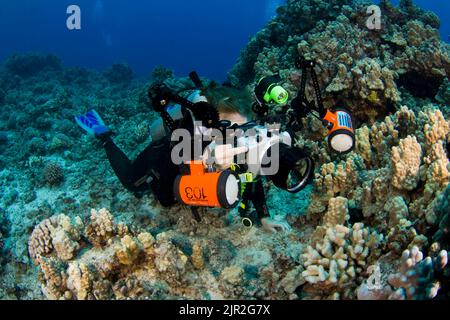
x: 301, y: 105
x: 161, y: 96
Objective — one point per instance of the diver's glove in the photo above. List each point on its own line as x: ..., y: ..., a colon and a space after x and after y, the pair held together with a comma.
x: 93, y: 124
x: 250, y: 219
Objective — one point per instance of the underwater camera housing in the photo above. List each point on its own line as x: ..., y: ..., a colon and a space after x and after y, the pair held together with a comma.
x: 269, y: 154
x: 201, y: 188
x: 272, y: 155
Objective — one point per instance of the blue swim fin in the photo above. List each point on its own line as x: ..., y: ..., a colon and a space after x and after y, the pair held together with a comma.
x: 92, y: 123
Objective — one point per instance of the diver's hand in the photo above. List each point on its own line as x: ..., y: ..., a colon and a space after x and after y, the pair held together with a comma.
x: 223, y: 155
x: 274, y: 226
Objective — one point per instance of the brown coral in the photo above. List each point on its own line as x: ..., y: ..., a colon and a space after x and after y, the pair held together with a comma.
x: 406, y: 160
x: 55, y: 235
x: 53, y: 174
x: 413, y: 280
x: 115, y: 255
x: 341, y: 257
x: 101, y: 227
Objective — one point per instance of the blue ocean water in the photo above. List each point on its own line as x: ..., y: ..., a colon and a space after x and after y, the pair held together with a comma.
x: 205, y: 35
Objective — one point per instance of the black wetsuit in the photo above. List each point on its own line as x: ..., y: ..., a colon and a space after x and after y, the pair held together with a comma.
x: 254, y: 194
x: 153, y: 170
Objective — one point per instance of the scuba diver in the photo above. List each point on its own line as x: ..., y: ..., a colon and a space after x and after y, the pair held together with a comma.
x: 226, y: 183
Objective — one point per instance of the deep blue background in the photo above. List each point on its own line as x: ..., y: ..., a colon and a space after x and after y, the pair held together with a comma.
x: 206, y: 35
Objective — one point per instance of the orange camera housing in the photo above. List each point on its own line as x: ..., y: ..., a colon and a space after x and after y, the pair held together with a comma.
x: 207, y: 189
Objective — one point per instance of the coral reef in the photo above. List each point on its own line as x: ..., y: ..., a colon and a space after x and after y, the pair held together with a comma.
x: 26, y: 65
x: 443, y: 95
x: 414, y: 280
x: 370, y: 71
x: 337, y: 261
x: 119, y: 73
x: 102, y: 259
x: 442, y: 210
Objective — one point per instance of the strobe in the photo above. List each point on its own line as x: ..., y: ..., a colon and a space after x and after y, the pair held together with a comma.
x: 200, y: 188
x: 341, y: 133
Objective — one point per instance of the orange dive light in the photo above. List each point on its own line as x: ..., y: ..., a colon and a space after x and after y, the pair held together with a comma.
x: 208, y: 189
x: 341, y: 134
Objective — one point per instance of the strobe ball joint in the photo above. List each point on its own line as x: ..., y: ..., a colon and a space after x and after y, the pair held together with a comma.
x: 327, y: 124
x: 261, y: 110
x: 303, y: 63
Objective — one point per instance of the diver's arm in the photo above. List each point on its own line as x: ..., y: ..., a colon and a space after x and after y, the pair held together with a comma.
x: 162, y: 96
x: 123, y: 167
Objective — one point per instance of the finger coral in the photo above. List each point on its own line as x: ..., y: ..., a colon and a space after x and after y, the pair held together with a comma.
x: 75, y: 274
x: 415, y: 278
x: 341, y: 258
x: 406, y: 160
x: 57, y: 235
